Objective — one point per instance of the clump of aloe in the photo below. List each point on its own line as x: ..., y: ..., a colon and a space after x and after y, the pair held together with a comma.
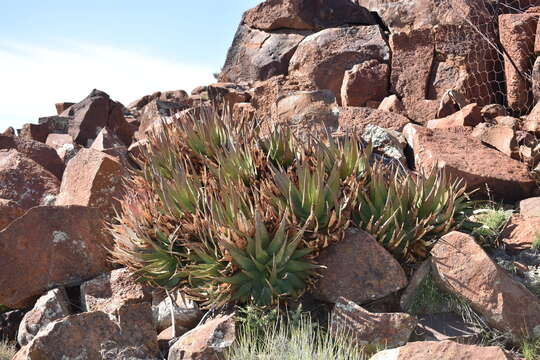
x: 227, y: 215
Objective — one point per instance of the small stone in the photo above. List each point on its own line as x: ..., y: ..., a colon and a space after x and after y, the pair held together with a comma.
x: 468, y: 116
x: 521, y: 231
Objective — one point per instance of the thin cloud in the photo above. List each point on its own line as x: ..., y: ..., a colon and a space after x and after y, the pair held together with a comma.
x: 33, y: 78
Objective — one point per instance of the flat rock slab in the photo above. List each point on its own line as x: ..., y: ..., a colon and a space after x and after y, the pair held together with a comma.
x: 520, y: 232
x: 355, y: 119
x: 462, y: 267
x: 50, y: 246
x: 429, y: 350
x: 466, y: 157
x: 358, y: 268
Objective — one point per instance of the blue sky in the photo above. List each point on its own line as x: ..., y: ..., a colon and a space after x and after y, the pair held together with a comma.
x: 53, y: 51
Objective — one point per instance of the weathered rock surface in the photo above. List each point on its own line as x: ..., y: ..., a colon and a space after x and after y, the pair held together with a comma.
x: 54, y: 305
x: 157, y: 111
x: 258, y: 55
x: 323, y: 58
x: 41, y: 153
x: 24, y: 181
x: 355, y: 119
x: 63, y: 106
x: 9, y: 211
x: 307, y: 110
x: 186, y: 311
x: 530, y: 207
x: 50, y: 246
x: 306, y: 15
x: 377, y: 329
x: 36, y: 132
x: 96, y: 336
x: 392, y: 104
x: 517, y: 33
x: 388, y: 143
x: 464, y: 156
x: 9, y: 324
x: 92, y: 178
x: 93, y: 114
x: 359, y: 269
x: 463, y: 268
x: 365, y: 82
x: 112, y: 290
x: 468, y: 116
x: 521, y: 231
x: 502, y: 138
x: 428, y: 350
x: 205, y: 342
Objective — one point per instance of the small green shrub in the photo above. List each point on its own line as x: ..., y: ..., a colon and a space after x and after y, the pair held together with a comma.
x: 296, y: 339
x: 7, y: 350
x: 486, y: 223
x: 536, y: 242
x: 531, y: 348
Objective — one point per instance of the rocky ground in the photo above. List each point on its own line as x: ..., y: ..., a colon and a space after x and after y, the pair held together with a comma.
x: 451, y: 84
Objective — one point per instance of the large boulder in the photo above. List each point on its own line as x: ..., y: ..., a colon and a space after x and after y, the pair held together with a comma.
x: 42, y: 154
x: 463, y: 268
x: 37, y: 132
x: 24, y: 181
x: 51, y: 246
x: 205, y: 342
x: 306, y: 14
x: 157, y: 111
x: 323, y: 58
x: 376, y: 329
x: 429, y: 350
x: 92, y: 114
x: 92, y: 178
x: 96, y: 335
x: 358, y: 268
x: 466, y: 157
x: 517, y: 36
x: 258, y: 55
x: 52, y: 306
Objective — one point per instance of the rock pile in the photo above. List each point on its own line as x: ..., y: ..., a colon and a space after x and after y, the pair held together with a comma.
x: 412, y: 77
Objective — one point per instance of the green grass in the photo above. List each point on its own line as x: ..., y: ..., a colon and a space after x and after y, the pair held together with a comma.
x: 296, y: 337
x: 536, y: 242
x: 7, y: 350
x: 3, y: 308
x: 487, y: 222
x: 531, y: 349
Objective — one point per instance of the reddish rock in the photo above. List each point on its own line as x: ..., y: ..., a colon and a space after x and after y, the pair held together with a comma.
x: 10, y: 131
x: 157, y: 111
x: 359, y: 269
x: 94, y: 113
x: 136, y: 150
x: 9, y: 211
x: 54, y: 305
x: 532, y: 122
x: 517, y: 32
x: 508, y: 121
x: 365, y: 82
x: 408, y: 296
x: 56, y: 124
x: 110, y: 291
x: 56, y: 141
x: 501, y: 138
x: 463, y: 268
x: 63, y: 106
x: 258, y: 55
x: 306, y: 15
x: 376, y: 329
x: 92, y: 178
x: 307, y: 110
x: 355, y: 119
x: 227, y: 93
x: 107, y: 140
x: 95, y: 335
x: 468, y: 116
x: 42, y: 154
x: 51, y: 246
x: 521, y: 231
x: 205, y: 342
x: 392, y: 104
x: 429, y: 350
x: 535, y: 75
x: 466, y: 157
x: 323, y: 58
x: 530, y: 207
x: 24, y: 181
x: 37, y: 132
